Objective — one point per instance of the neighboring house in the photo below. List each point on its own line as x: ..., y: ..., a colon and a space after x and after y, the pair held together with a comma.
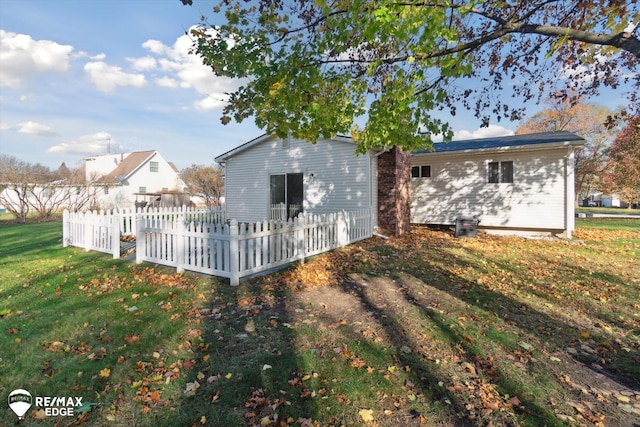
x: 612, y: 200
x: 127, y: 178
x: 521, y: 183
x: 272, y: 178
x: 103, y: 182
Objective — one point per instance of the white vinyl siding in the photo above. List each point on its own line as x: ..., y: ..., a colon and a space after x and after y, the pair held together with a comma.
x: 334, y: 178
x: 459, y: 187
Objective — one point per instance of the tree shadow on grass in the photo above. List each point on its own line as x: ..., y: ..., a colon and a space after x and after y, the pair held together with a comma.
x: 508, y: 326
x: 597, y: 348
x: 245, y: 362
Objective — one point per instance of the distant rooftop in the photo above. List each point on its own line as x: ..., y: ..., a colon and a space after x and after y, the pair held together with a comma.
x: 504, y: 141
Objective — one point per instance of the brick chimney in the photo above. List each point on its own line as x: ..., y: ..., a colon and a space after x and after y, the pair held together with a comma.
x: 394, y: 192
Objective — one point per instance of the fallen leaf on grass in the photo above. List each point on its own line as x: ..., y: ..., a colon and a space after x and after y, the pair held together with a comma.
x: 39, y: 414
x: 86, y: 407
x: 250, y: 327
x: 132, y: 338
x: 366, y: 415
x: 525, y: 345
x: 514, y: 401
x: 191, y: 388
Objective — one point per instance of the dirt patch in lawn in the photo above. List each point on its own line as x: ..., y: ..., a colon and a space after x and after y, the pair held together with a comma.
x: 487, y: 331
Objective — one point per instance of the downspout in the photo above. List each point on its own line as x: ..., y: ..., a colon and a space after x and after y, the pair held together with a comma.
x: 570, y: 220
x: 223, y: 165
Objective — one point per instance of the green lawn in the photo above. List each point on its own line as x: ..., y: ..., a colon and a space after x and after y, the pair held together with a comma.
x: 419, y: 330
x: 628, y: 224
x: 611, y: 211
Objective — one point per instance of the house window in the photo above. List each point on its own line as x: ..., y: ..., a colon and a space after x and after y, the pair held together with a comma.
x: 286, y: 142
x: 500, y: 172
x: 106, y: 190
x: 78, y: 191
x: 142, y: 190
x: 423, y: 171
x: 154, y: 166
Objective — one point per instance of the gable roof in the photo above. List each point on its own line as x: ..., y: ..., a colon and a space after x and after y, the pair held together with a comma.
x: 533, y: 139
x: 127, y: 166
x: 264, y: 137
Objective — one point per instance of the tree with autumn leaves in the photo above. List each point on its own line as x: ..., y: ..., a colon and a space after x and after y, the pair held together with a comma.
x: 206, y: 182
x: 622, y: 172
x: 588, y: 121
x: 380, y: 70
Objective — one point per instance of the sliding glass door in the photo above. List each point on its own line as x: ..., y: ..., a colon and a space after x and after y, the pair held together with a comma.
x: 286, y: 195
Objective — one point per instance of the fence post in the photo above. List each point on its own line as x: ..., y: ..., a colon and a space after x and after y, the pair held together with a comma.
x: 234, y: 262
x: 88, y: 229
x: 343, y: 235
x: 115, y: 234
x: 140, y: 243
x: 180, y: 231
x: 302, y: 241
x: 65, y: 228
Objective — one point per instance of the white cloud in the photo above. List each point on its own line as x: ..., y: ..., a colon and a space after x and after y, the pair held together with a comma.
x: 167, y: 82
x: 22, y: 57
x: 87, y: 145
x: 146, y: 63
x: 33, y: 128
x: 184, y: 70
x: 488, y: 132
x: 107, y: 77
x: 209, y: 103
x: 154, y: 46
x: 98, y: 57
x: 5, y: 126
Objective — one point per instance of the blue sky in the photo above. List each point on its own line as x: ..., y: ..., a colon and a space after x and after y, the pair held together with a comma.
x: 81, y: 77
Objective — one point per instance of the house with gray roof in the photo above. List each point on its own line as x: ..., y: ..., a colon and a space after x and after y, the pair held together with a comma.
x: 514, y: 184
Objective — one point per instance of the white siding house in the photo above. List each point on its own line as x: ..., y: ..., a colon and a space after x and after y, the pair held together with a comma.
x: 123, y: 179
x: 515, y: 184
x: 268, y: 173
x: 521, y: 183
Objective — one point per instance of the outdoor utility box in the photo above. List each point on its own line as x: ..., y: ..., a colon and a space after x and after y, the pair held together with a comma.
x: 466, y: 227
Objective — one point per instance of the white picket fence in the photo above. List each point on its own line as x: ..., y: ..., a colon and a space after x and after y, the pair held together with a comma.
x: 206, y: 244
x: 101, y: 230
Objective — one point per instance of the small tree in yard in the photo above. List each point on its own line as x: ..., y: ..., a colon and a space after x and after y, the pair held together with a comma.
x: 20, y: 181
x: 205, y: 182
x: 622, y: 174
x: 27, y: 187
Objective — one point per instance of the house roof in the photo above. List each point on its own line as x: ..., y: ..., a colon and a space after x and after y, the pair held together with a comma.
x: 555, y: 138
x: 264, y: 137
x: 127, y: 166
